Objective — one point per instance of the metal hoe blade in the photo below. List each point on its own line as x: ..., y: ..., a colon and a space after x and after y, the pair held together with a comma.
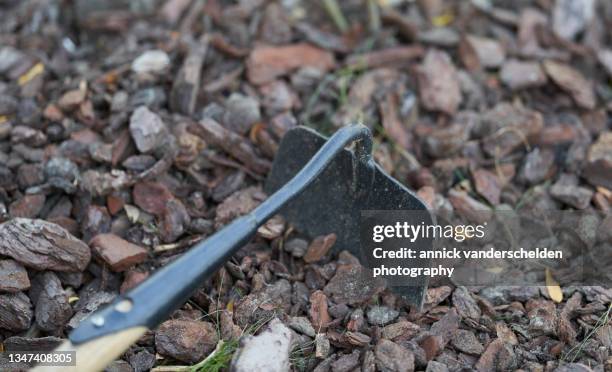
x: 334, y: 201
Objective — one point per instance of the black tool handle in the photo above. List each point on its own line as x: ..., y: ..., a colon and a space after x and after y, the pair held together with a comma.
x: 155, y: 299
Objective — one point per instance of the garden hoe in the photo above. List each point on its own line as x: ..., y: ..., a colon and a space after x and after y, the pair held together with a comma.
x: 316, y: 184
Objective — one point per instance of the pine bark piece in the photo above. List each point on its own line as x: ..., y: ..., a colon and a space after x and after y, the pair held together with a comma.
x: 572, y: 82
x: 488, y: 185
x: 119, y: 254
x: 393, y: 357
x: 390, y: 57
x: 29, y: 206
x: 232, y: 143
x: 186, y: 340
x: 318, y: 310
x: 319, y: 247
x: 15, y: 312
x: 187, y: 82
x: 13, y: 277
x: 438, y: 83
x: 265, y: 63
x: 152, y: 197
x: 52, y: 310
x: 42, y: 245
x: 480, y: 52
x: 497, y: 357
x: 598, y: 170
x: 465, y: 304
x: 519, y: 75
x: 352, y: 285
x: 509, y: 127
x: 466, y: 342
x: 18, y: 343
x: 238, y: 204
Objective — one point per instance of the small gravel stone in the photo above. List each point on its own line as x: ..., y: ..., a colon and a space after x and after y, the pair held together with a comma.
x: 302, y: 325
x: 570, y: 17
x: 153, y: 98
x: 147, y: 129
x: 95, y: 221
x: 103, y: 183
x: 151, y: 61
x: 605, y: 59
x: 241, y: 112
x: 297, y: 247
x: 322, y: 346
x: 440, y: 36
x: 542, y: 317
x: 381, y: 315
x: 72, y: 99
x: 62, y: 173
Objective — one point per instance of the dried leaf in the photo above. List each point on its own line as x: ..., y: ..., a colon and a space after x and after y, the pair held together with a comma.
x: 37, y: 69
x: 554, y: 291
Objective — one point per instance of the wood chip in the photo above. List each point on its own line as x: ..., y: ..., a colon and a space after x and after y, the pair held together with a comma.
x: 572, y: 82
x: 265, y: 63
x: 438, y: 83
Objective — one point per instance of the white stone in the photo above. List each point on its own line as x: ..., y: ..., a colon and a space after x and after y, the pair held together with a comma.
x: 151, y: 61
